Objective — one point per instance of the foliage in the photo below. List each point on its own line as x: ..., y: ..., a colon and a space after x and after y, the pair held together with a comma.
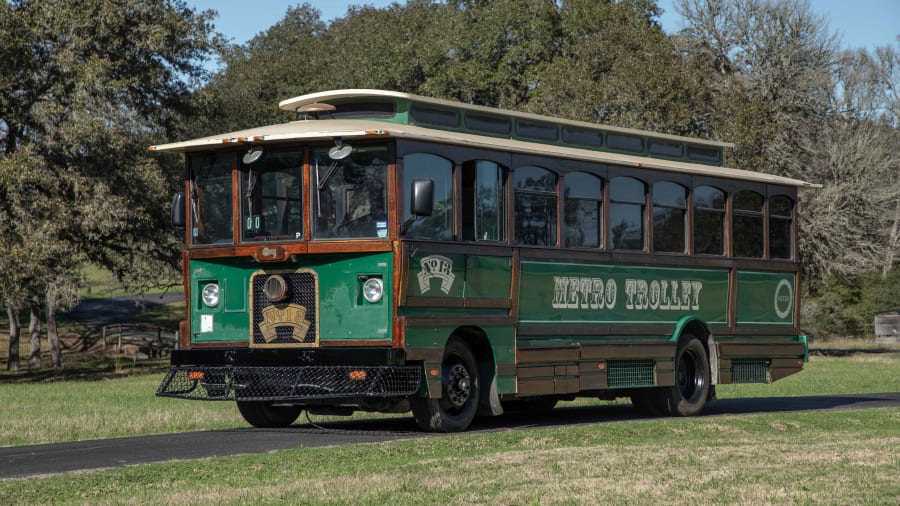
x: 840, y: 308
x: 86, y: 86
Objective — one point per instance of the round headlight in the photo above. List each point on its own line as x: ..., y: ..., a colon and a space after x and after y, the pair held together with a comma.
x: 373, y: 290
x: 211, y: 294
x: 276, y: 288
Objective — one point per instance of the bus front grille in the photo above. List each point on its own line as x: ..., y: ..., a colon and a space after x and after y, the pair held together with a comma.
x: 289, y: 383
x: 293, y: 321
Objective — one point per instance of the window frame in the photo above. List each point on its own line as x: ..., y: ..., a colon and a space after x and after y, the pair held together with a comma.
x: 601, y: 205
x: 686, y: 217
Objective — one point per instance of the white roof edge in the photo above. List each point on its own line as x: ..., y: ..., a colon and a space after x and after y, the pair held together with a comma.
x: 292, y: 104
x: 356, y: 129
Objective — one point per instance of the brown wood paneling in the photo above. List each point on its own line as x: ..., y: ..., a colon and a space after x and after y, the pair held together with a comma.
x: 625, y: 351
x: 435, y: 355
x: 566, y: 385
x: 547, y: 354
x: 535, y: 372
x: 760, y: 350
x: 535, y: 386
x: 450, y: 321
x: 593, y: 382
x: 765, y: 331
x: 487, y: 303
x: 419, y: 301
x: 359, y: 342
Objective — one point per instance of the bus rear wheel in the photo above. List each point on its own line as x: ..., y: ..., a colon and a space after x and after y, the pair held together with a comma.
x: 688, y: 395
x: 268, y: 416
x: 460, y: 390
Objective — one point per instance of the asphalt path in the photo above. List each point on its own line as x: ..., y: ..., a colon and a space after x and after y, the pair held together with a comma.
x: 23, y: 461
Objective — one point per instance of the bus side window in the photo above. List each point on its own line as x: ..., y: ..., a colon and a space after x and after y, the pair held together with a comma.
x: 627, y: 211
x: 709, y: 221
x: 535, y: 205
x: 438, y: 226
x: 781, y: 210
x: 583, y: 206
x: 669, y: 217
x: 483, y: 201
x: 747, y: 224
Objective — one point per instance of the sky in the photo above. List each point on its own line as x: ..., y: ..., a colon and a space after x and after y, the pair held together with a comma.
x: 860, y: 23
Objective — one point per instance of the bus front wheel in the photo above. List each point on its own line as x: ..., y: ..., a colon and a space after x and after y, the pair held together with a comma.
x: 688, y: 395
x: 268, y: 416
x: 460, y: 390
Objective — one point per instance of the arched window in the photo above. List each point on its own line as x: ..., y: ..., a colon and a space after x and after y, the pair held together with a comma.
x: 535, y: 214
x: 669, y: 217
x: 438, y: 226
x: 626, y: 213
x: 483, y: 201
x: 781, y: 212
x: 747, y: 224
x: 709, y: 221
x: 583, y: 205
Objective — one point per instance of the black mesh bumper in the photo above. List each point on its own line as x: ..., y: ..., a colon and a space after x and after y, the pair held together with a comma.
x: 289, y: 383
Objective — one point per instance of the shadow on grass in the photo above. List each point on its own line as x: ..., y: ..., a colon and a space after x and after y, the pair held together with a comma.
x: 87, y: 369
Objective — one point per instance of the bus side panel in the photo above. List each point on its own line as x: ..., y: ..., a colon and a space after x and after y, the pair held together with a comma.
x: 766, y: 299
x: 564, y: 294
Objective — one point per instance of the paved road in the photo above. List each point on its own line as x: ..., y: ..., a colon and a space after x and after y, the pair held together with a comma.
x: 21, y: 461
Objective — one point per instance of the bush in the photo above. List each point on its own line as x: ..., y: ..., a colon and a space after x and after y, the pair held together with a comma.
x: 839, y: 308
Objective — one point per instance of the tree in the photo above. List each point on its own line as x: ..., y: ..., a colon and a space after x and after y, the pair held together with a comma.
x: 281, y: 62
x: 87, y: 86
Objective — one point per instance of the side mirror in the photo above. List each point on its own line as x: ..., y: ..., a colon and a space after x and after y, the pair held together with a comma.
x: 422, y: 197
x: 421, y: 202
x: 178, y: 211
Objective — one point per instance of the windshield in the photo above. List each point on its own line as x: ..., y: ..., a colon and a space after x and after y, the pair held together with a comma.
x: 211, y: 216
x: 271, y: 190
x: 349, y: 198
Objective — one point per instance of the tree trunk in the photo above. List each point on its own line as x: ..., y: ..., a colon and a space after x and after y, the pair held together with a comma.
x: 12, y: 363
x: 34, y: 328
x: 893, y: 243
x: 52, y: 334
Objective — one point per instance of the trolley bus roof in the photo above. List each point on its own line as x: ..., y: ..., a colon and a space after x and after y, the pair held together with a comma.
x: 348, y: 129
x: 296, y: 104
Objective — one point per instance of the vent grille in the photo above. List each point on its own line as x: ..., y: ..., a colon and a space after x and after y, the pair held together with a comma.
x: 291, y: 322
x: 630, y: 373
x: 749, y: 371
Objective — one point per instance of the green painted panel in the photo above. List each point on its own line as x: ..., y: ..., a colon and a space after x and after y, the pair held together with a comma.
x: 229, y: 320
x: 488, y: 276
x: 433, y: 275
x: 455, y: 275
x: 502, y: 340
x: 765, y: 298
x: 342, y: 310
x: 568, y: 293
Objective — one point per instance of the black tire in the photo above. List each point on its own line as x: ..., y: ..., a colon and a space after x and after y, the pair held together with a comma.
x: 692, y: 380
x: 264, y: 415
x: 461, y: 388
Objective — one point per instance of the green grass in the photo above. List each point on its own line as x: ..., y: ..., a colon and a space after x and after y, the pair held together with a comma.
x: 116, y: 397
x: 839, y: 457
x: 846, y: 457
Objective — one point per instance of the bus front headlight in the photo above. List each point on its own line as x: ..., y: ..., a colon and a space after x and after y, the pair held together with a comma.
x: 211, y: 294
x: 373, y: 290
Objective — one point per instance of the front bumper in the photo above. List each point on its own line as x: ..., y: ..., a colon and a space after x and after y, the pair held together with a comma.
x: 295, y: 383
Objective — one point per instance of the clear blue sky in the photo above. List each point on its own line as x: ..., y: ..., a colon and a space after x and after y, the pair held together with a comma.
x: 861, y: 23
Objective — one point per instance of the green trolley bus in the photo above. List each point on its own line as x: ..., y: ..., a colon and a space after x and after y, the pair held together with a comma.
x: 391, y: 252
